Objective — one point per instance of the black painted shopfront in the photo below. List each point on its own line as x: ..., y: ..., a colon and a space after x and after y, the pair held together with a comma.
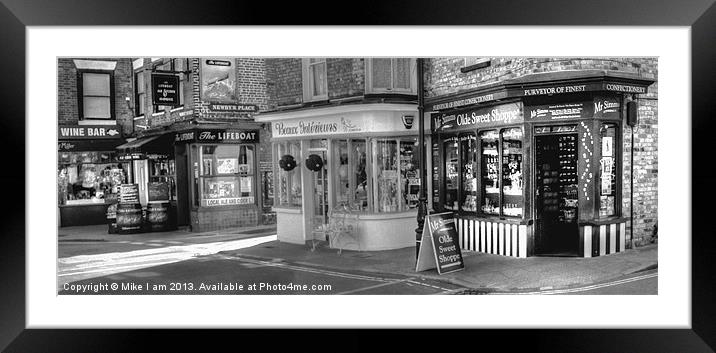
x: 533, y: 166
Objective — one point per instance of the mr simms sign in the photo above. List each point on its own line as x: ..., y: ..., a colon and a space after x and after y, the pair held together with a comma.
x: 165, y: 89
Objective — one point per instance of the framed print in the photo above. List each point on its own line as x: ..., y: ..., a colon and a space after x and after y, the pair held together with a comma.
x: 51, y: 301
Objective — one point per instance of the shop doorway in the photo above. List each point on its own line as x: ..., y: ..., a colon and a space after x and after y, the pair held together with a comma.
x: 182, y: 185
x: 319, y: 189
x: 556, y: 197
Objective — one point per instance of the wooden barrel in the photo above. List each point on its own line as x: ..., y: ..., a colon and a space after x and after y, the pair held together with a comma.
x: 129, y: 218
x: 158, y: 219
x: 112, y: 218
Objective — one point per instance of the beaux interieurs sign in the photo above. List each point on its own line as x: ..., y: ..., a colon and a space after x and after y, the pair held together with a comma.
x: 217, y: 136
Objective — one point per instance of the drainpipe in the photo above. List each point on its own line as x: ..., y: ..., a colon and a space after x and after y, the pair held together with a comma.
x: 422, y: 199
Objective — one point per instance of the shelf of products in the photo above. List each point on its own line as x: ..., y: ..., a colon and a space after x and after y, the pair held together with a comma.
x: 468, y: 146
x: 451, y: 174
x: 490, y: 172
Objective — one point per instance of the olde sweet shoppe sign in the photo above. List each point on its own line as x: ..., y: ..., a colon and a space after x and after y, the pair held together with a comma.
x: 439, y: 246
x: 479, y: 117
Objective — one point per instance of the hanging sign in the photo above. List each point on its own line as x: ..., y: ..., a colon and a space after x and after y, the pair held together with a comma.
x: 439, y: 245
x: 165, y: 89
x: 218, y: 81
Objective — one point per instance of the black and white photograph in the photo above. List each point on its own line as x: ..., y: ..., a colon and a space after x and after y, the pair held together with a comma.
x: 357, y: 175
x: 360, y: 177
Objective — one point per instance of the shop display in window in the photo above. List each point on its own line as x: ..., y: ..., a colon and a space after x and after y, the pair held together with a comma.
x: 490, y: 172
x: 557, y: 178
x: 451, y: 173
x: 361, y: 177
x: 409, y: 173
x: 436, y: 173
x: 607, y: 172
x: 289, y: 177
x: 512, y: 172
x: 468, y: 145
x: 86, y: 179
x: 226, y: 175
x: 387, y: 175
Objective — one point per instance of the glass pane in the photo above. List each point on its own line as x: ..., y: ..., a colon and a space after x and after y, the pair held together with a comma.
x: 468, y: 153
x: 225, y: 190
x: 401, y: 73
x: 512, y: 171
x: 318, y: 75
x: 89, y: 182
x: 359, y: 171
x: 380, y: 73
x: 342, y: 168
x: 410, y: 172
x: 95, y: 84
x: 490, y: 172
x: 140, y: 82
x: 387, y: 171
x: 246, y: 159
x: 436, y: 173
x: 283, y: 176
x: 294, y: 149
x: 451, y: 173
x: 96, y: 108
x: 607, y: 171
x: 140, y: 104
x: 220, y: 159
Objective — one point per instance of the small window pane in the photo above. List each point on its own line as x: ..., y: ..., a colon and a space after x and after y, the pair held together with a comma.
x: 451, y: 173
x: 318, y: 75
x: 343, y: 184
x: 361, y: 178
x: 387, y: 169
x: 607, y: 171
x: 409, y: 171
x: 95, y: 84
x: 380, y: 73
x: 140, y: 83
x: 401, y: 73
x: 468, y: 145
x: 490, y: 172
x: 140, y: 104
x: 96, y: 107
x: 512, y: 171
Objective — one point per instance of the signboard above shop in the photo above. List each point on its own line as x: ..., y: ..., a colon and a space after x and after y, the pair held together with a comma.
x: 217, y: 136
x: 81, y: 132
x: 233, y: 108
x: 599, y: 107
x: 504, y: 114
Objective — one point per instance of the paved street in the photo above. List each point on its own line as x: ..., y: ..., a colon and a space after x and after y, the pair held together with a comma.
x: 231, y: 274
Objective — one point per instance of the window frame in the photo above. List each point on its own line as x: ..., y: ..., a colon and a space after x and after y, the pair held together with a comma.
x: 81, y: 95
x: 202, y: 176
x: 411, y: 90
x: 618, y: 156
x: 309, y: 84
x: 140, y: 98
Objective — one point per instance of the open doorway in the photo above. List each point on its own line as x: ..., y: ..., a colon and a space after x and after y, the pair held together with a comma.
x: 556, y: 197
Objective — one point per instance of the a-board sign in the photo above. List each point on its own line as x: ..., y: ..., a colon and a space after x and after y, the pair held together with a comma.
x: 158, y: 191
x: 128, y: 193
x: 439, y: 245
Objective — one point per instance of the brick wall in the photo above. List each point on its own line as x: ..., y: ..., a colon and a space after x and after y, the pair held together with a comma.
x: 284, y: 84
x: 67, y: 100
x: 443, y: 76
x: 346, y: 77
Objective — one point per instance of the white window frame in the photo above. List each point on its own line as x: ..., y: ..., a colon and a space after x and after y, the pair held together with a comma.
x: 369, y: 78
x: 308, y: 80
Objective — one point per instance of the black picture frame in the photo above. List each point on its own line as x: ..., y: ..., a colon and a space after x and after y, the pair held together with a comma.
x: 699, y: 15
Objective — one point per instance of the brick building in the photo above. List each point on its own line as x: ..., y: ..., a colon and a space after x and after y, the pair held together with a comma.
x: 518, y: 109
x: 93, y: 117
x: 200, y: 152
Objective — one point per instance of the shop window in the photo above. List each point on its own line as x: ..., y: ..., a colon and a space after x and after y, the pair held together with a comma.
x: 96, y: 99
x: 395, y: 174
x: 163, y: 170
x: 289, y: 192
x: 512, y: 172
x: 391, y: 75
x: 89, y: 177
x: 490, y: 172
x: 351, y: 186
x: 409, y: 173
x: 608, y: 171
x: 227, y: 175
x: 436, y: 174
x: 450, y: 146
x: 468, y: 155
x: 315, y: 82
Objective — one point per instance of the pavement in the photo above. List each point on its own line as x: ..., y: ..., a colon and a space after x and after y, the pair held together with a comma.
x: 483, y: 273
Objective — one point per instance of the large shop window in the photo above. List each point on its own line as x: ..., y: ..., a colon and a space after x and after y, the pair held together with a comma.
x: 497, y: 188
x: 96, y: 97
x: 289, y: 182
x: 315, y: 80
x: 608, y: 171
x: 227, y: 175
x: 89, y: 177
x: 391, y: 75
x: 351, y: 174
x: 395, y: 174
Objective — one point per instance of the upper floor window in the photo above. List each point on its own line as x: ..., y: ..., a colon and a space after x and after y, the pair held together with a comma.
x: 315, y: 82
x: 140, y: 93
x: 391, y: 75
x: 177, y: 65
x: 96, y: 89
